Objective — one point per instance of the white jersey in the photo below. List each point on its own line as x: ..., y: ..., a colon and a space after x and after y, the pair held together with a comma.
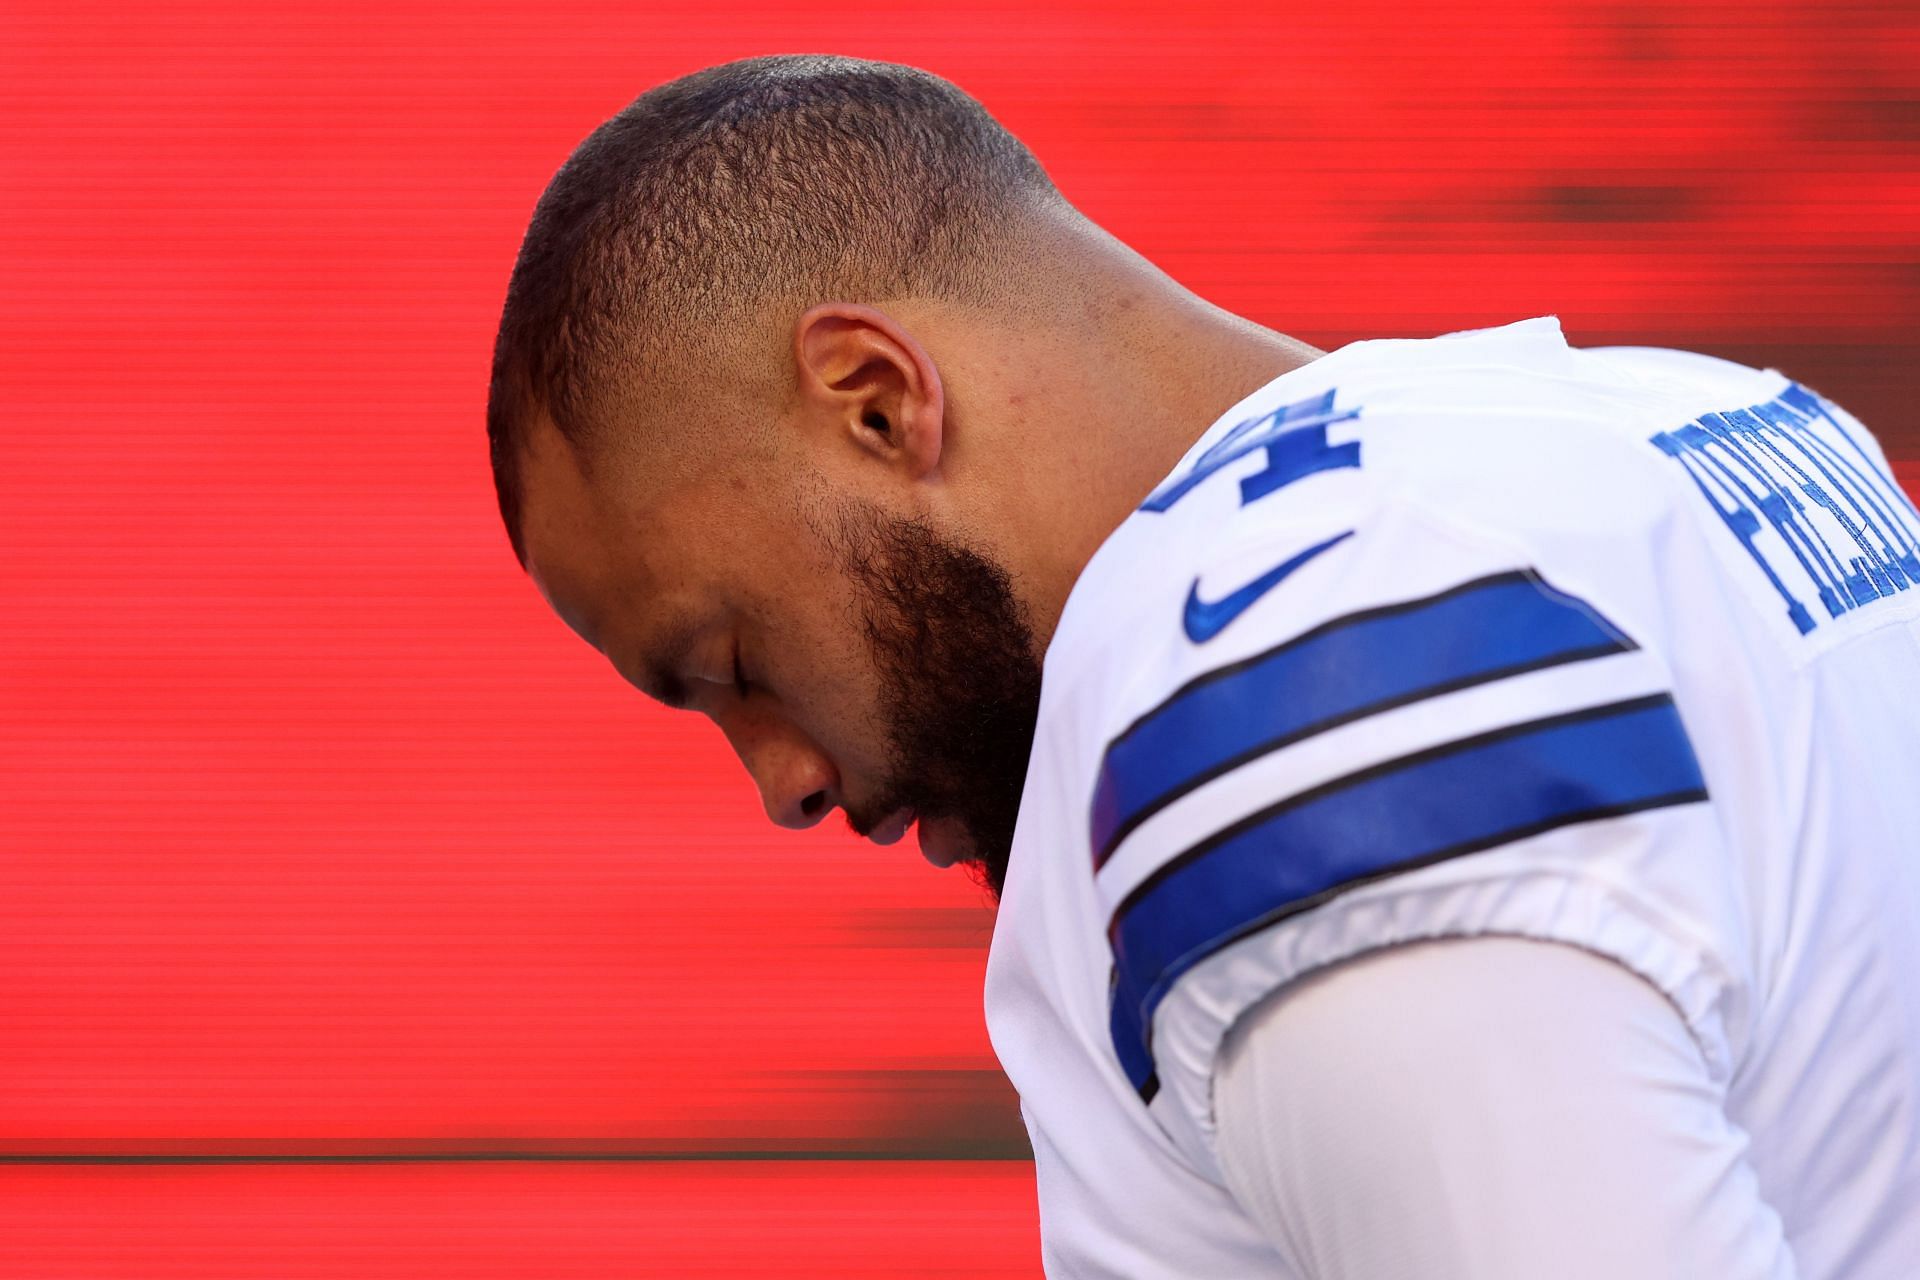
x: 1481, y: 634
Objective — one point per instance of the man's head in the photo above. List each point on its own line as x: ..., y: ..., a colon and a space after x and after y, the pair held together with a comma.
x: 729, y: 460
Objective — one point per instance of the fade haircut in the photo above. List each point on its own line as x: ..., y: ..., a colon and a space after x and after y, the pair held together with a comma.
x: 765, y: 183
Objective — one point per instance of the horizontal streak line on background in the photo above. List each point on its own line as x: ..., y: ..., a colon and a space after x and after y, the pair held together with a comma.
x: 553, y: 1157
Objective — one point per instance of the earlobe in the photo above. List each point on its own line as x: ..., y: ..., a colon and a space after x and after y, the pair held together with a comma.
x: 871, y: 383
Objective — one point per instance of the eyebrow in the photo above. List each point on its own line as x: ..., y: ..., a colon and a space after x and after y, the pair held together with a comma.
x: 660, y: 669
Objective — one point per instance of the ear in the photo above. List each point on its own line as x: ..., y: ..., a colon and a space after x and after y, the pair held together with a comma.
x: 869, y: 384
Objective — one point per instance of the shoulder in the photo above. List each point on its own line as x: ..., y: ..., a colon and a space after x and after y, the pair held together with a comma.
x: 1408, y: 696
x: 1323, y: 699
x: 1504, y: 440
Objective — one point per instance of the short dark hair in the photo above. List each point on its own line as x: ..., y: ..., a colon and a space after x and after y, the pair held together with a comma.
x: 791, y: 178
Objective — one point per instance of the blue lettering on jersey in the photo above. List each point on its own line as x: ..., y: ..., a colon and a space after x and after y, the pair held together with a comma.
x: 1850, y: 536
x: 1295, y: 438
x: 1205, y: 619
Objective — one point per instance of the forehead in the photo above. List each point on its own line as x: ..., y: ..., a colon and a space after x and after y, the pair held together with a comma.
x: 566, y: 529
x: 637, y: 546
x: 626, y: 547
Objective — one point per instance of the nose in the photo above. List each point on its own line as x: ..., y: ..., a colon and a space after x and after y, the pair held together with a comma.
x: 798, y: 783
x: 796, y: 798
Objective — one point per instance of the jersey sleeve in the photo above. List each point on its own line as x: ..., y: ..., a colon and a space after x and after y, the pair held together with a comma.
x: 1488, y: 1109
x: 1417, y: 732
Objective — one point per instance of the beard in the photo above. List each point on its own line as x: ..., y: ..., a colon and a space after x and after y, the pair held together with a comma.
x: 961, y: 685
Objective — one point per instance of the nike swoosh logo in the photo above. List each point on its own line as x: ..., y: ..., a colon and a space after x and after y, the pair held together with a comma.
x: 1205, y: 619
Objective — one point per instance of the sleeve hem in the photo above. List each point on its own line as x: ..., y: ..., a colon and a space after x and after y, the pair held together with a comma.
x: 1550, y: 904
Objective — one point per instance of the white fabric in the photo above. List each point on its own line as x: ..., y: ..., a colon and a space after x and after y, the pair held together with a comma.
x: 1487, y: 1109
x: 1776, y: 914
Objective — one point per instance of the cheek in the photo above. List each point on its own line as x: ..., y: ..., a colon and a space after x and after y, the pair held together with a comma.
x: 809, y: 631
x: 825, y: 676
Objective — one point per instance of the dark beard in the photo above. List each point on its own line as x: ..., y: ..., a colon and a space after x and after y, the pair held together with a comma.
x: 960, y: 680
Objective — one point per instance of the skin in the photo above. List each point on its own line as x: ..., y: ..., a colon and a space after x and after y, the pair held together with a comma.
x: 1025, y: 437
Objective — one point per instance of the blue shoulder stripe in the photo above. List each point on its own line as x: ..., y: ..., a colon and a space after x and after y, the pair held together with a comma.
x: 1130, y: 1041
x: 1441, y: 803
x: 1342, y: 670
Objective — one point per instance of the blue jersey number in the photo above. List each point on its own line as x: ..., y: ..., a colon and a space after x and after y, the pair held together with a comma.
x: 1295, y: 439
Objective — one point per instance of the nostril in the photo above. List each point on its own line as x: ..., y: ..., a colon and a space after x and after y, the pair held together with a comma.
x: 813, y: 804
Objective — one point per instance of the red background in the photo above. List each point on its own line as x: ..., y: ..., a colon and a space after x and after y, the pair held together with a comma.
x: 354, y: 919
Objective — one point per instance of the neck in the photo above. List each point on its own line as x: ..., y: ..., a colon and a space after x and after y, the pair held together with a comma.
x: 1104, y: 408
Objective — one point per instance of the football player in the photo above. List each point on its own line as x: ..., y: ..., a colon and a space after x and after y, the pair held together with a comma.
x: 1451, y: 802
